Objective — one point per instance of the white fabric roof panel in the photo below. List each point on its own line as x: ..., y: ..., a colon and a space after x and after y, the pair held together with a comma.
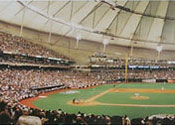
x: 144, y: 23
x: 133, y: 22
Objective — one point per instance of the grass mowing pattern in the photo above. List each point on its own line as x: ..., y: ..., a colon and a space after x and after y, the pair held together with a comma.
x: 59, y: 100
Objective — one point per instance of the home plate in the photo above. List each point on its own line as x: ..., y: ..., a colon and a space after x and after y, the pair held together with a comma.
x: 42, y: 96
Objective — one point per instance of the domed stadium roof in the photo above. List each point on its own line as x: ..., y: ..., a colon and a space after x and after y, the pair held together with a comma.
x: 141, y: 23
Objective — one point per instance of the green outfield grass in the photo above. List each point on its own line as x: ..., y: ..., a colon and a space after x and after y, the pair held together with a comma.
x: 59, y: 100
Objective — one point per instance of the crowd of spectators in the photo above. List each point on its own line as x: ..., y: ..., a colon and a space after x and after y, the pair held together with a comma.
x: 15, y: 86
x: 23, y: 59
x: 135, y: 74
x: 17, y: 83
x: 14, y: 113
x: 20, y: 114
x: 109, y: 69
x: 144, y: 62
x: 151, y: 74
x: 16, y: 44
x: 43, y: 77
x: 121, y: 63
x: 105, y: 61
x: 109, y: 75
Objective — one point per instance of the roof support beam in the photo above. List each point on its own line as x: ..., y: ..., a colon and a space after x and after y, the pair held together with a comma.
x: 81, y: 27
x: 71, y: 10
x: 50, y: 31
x: 48, y: 7
x: 96, y: 23
x: 61, y: 8
x: 93, y: 20
x: 22, y: 22
x: 23, y: 8
x: 79, y: 9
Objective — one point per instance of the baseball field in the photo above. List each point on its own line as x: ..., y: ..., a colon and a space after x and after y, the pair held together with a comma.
x: 135, y: 100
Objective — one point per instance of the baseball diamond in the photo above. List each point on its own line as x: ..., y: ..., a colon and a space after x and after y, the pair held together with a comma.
x: 136, y: 100
x: 87, y: 62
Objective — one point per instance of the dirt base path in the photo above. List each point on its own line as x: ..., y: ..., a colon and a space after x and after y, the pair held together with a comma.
x: 99, y: 95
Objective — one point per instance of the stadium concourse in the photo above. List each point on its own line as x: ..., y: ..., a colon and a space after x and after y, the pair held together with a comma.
x: 54, y: 46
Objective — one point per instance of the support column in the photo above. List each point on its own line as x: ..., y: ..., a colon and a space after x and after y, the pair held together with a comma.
x: 132, y: 48
x: 22, y: 22
x: 158, y: 56
x: 104, y: 48
x: 50, y: 32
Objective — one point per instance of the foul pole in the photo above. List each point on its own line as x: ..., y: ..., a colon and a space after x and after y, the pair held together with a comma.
x: 126, y: 68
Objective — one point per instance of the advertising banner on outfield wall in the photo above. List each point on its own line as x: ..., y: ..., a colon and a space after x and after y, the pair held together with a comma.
x: 171, y: 81
x: 149, y: 80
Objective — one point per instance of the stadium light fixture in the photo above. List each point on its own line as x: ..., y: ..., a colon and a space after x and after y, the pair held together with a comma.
x: 78, y: 38
x: 159, y: 48
x: 105, y: 41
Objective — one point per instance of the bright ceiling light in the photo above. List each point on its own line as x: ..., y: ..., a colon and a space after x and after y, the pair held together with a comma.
x: 105, y: 41
x: 159, y: 48
x: 78, y: 37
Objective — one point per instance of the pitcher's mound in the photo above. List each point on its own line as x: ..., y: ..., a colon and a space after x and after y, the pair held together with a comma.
x: 140, y: 97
